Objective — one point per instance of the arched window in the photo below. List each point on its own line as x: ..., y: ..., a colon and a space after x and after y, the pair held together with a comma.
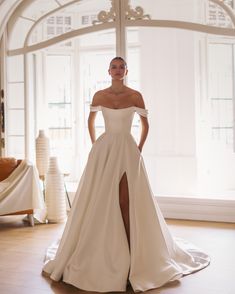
x: 58, y: 56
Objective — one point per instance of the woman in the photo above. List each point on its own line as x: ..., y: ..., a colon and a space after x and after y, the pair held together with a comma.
x: 115, y: 231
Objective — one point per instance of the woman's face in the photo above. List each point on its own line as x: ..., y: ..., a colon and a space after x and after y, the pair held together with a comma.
x: 117, y: 70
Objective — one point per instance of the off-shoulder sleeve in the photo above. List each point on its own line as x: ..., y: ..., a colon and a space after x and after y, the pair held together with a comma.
x: 141, y: 111
x: 94, y: 108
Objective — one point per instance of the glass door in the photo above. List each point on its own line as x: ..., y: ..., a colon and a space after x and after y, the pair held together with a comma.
x: 59, y: 107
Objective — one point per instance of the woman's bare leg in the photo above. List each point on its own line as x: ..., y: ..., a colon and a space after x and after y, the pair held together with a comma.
x: 124, y: 204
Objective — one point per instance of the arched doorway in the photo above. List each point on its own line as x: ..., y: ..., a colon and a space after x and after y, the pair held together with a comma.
x: 171, y: 73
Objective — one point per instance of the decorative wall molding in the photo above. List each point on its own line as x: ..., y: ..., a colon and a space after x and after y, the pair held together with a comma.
x: 104, y: 16
x: 134, y: 14
x: 130, y: 13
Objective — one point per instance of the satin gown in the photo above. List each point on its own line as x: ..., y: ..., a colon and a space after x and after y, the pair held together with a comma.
x: 93, y: 253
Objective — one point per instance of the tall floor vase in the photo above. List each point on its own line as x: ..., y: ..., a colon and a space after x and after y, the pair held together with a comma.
x: 42, y: 153
x: 55, y: 193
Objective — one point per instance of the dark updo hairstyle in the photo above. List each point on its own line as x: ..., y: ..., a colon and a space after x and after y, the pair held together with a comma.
x: 118, y: 58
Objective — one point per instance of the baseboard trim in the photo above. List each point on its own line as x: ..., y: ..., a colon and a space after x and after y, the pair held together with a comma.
x: 189, y: 208
x: 197, y: 208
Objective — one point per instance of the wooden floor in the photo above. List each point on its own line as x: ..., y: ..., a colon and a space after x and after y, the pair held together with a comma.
x: 22, y: 250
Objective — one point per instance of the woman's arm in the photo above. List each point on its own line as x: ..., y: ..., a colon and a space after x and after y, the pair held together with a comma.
x: 144, y: 131
x: 139, y: 102
x: 91, y: 126
x: 92, y: 115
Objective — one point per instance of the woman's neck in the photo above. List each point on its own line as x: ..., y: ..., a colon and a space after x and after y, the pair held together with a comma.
x: 117, y: 87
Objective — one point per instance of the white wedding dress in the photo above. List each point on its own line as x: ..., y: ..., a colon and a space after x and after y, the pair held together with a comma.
x: 93, y: 253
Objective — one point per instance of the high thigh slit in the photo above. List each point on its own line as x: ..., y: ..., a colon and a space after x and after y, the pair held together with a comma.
x: 113, y: 197
x: 124, y: 204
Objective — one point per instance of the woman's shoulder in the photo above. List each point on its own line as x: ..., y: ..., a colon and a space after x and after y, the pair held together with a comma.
x: 133, y: 93
x: 99, y: 93
x: 137, y: 98
x: 98, y: 97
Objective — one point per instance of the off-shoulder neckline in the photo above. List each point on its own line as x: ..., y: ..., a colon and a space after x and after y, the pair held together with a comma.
x: 101, y: 106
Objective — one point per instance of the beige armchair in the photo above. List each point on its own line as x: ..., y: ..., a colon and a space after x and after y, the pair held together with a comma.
x: 7, y: 166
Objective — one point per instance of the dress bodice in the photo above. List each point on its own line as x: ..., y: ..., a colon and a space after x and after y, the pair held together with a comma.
x: 119, y: 120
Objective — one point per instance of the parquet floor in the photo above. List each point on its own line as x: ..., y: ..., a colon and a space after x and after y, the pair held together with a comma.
x: 22, y: 250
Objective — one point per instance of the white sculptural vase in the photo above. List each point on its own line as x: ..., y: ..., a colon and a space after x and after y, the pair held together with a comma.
x: 55, y: 193
x: 42, y: 153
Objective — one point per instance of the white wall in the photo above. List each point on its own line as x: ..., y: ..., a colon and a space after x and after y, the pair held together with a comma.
x: 168, y: 84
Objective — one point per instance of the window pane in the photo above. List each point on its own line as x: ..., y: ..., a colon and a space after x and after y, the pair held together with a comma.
x: 16, y: 68
x: 76, y: 16
x: 169, y: 9
x: 58, y: 79
x: 59, y: 108
x: 133, y: 78
x: 15, y: 95
x: 15, y: 122
x: 217, y: 16
x: 221, y: 93
x: 93, y: 39
x: 15, y: 147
